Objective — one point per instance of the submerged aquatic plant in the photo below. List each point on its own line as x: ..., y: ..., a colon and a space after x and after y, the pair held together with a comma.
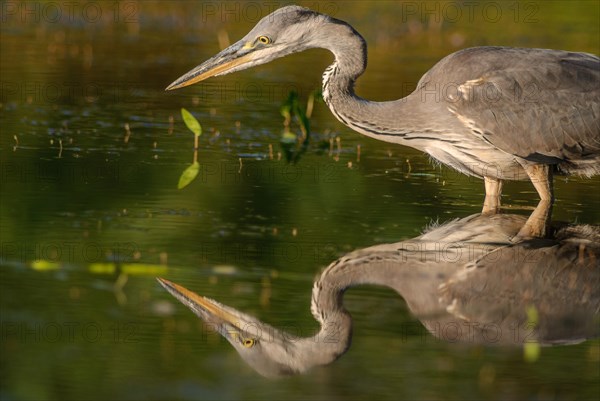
x: 295, y: 145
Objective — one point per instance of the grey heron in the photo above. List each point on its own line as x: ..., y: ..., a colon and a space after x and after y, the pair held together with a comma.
x: 497, y: 113
x: 465, y: 281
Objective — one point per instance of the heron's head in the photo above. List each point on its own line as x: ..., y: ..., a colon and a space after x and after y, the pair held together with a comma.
x: 267, y: 350
x: 287, y: 30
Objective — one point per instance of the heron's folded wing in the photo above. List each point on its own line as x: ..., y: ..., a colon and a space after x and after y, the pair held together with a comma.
x: 549, y: 112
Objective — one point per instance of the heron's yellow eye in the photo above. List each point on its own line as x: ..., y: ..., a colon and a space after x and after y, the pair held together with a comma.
x: 265, y: 40
x: 248, y: 342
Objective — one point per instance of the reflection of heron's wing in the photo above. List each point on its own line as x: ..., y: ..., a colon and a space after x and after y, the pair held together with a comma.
x: 559, y: 278
x: 490, y: 230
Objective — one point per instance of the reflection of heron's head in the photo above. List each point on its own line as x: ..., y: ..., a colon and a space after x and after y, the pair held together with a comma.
x: 269, y: 351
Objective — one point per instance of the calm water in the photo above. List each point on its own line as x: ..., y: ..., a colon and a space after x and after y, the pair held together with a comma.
x: 91, y: 213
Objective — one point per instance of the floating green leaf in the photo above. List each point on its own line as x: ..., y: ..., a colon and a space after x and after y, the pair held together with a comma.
x: 532, y: 316
x: 44, y: 265
x: 191, y: 122
x: 188, y: 175
x: 143, y: 269
x: 102, y: 268
x: 531, y: 349
x: 226, y: 270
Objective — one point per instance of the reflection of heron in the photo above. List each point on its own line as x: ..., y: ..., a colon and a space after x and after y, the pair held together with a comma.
x: 464, y: 280
x: 493, y: 112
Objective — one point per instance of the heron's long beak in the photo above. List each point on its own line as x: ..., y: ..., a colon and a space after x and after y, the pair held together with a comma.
x: 226, y: 61
x: 209, y: 310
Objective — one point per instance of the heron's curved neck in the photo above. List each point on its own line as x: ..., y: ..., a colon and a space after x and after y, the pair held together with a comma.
x: 350, y: 60
x: 390, y: 121
x: 350, y: 63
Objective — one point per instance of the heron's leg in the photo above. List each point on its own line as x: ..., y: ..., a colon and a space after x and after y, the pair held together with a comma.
x: 541, y: 177
x: 538, y: 223
x: 493, y: 190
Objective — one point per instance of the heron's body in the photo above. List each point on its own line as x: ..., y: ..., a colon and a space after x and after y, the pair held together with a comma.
x: 498, y: 113
x: 489, y: 111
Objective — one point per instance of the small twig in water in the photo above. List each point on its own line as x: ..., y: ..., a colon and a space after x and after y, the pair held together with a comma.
x: 171, y: 124
x: 338, y: 140
x: 127, y: 133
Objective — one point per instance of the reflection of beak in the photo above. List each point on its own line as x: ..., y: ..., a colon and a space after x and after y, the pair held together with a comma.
x: 222, y: 63
x: 209, y: 310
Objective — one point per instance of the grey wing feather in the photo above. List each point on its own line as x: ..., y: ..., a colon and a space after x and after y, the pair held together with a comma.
x: 544, y: 107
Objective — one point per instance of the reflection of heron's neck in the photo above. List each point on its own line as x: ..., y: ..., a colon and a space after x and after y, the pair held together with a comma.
x: 414, y: 269
x: 327, y: 307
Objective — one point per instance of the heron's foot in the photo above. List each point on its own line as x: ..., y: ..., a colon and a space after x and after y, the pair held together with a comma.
x: 493, y: 190
x: 538, y: 223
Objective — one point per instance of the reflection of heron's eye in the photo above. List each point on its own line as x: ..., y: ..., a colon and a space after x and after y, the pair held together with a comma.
x: 248, y: 342
x: 265, y: 40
